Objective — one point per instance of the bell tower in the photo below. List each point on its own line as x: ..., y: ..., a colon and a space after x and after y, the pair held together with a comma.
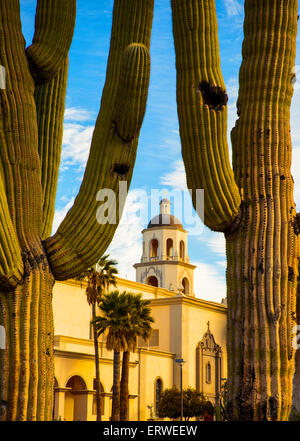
x: 165, y: 261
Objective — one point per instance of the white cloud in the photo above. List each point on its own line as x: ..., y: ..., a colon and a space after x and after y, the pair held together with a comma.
x: 77, y: 137
x: 216, y: 242
x: 209, y: 283
x: 222, y: 263
x: 60, y: 215
x: 233, y: 7
x: 126, y: 246
x: 176, y: 177
x: 77, y: 114
x: 76, y: 144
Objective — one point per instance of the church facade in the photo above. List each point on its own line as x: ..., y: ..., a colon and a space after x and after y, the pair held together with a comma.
x: 185, y: 327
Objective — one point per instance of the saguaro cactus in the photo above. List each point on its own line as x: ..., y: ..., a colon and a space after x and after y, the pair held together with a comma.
x: 252, y: 204
x: 32, y: 109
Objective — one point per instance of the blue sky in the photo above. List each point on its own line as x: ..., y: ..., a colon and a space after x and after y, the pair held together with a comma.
x: 159, y: 164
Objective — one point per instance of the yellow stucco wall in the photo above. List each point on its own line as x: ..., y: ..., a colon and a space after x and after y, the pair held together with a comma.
x: 71, y: 311
x: 181, y: 322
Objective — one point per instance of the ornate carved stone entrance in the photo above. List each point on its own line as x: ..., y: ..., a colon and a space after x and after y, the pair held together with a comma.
x: 209, y: 367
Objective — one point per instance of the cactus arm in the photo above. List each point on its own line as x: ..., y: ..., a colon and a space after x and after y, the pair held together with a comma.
x: 54, y: 28
x: 202, y: 111
x: 19, y: 158
x: 50, y: 105
x: 48, y: 54
x: 11, y: 264
x: 80, y: 239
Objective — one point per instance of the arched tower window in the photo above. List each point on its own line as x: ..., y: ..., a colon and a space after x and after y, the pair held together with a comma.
x: 208, y: 372
x: 169, y: 248
x: 182, y: 250
x: 186, y: 285
x: 154, y: 248
x: 152, y: 280
x: 158, y: 391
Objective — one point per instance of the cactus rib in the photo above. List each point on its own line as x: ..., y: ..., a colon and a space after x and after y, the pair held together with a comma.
x: 50, y: 106
x: 11, y: 264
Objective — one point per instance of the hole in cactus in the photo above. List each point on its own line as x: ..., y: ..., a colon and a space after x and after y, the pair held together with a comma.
x: 296, y: 224
x: 121, y: 170
x: 261, y: 268
x: 213, y: 96
x: 291, y: 274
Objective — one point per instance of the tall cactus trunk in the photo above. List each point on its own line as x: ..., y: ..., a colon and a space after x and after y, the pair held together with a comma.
x: 262, y: 254
x: 261, y: 305
x: 260, y: 225
x: 26, y: 363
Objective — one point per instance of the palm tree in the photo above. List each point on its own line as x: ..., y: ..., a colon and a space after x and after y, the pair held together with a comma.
x: 139, y: 325
x: 98, y: 278
x: 114, y: 322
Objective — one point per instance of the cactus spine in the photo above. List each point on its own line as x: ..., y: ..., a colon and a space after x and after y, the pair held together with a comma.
x: 31, y: 120
x: 253, y: 203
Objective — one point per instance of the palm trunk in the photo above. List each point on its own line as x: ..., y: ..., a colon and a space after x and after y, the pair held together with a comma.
x: 98, y: 389
x: 124, y: 393
x: 26, y: 363
x: 115, y: 411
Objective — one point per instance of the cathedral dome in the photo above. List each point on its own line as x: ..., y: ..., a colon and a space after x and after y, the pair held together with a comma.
x: 164, y: 220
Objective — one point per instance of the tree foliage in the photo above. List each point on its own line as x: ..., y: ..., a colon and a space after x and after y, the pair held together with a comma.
x: 194, y: 404
x: 125, y: 316
x: 98, y: 279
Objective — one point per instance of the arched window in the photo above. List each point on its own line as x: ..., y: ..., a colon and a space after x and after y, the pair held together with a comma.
x: 182, y: 250
x: 154, y: 248
x: 169, y: 248
x: 75, y: 402
x: 76, y: 383
x: 152, y: 280
x: 186, y: 285
x: 158, y: 391
x: 208, y: 373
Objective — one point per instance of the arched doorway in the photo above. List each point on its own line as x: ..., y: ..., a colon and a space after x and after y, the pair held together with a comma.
x: 76, y: 399
x: 186, y: 285
x: 152, y: 280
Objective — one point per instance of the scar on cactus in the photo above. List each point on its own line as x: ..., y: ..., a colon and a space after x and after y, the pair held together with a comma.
x: 213, y: 96
x: 296, y: 224
x: 121, y: 170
